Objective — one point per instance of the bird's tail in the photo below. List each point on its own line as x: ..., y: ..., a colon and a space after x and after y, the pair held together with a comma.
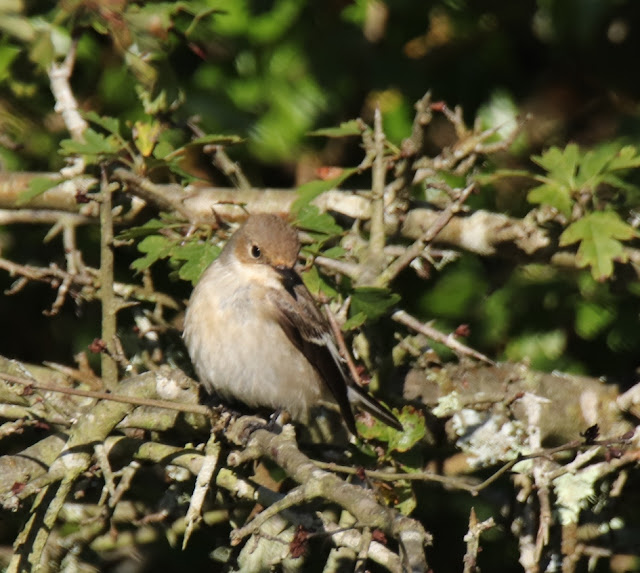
x: 368, y: 403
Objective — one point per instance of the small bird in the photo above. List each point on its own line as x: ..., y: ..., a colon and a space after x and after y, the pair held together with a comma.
x: 255, y: 334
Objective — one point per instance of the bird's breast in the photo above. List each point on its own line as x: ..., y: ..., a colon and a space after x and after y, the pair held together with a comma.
x: 240, y: 351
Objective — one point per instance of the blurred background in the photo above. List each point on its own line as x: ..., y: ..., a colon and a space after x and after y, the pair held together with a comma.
x: 271, y: 72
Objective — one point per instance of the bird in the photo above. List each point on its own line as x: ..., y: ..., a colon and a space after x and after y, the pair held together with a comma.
x: 255, y: 334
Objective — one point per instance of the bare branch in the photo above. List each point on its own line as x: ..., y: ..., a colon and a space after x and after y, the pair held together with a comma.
x: 404, y: 318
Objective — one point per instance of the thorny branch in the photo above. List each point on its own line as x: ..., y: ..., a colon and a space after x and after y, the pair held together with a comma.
x: 282, y: 448
x: 86, y: 281
x: 360, y: 503
x: 108, y: 301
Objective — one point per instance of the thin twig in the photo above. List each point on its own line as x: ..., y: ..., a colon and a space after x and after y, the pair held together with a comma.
x: 165, y: 197
x: 296, y: 496
x: 66, y: 104
x: 363, y: 553
x: 136, y: 401
x: 335, y: 327
x: 414, y: 250
x: 54, y: 274
x: 203, y: 482
x: 374, y: 258
x: 462, y: 484
x: 109, y: 370
x: 403, y: 317
x: 473, y: 540
x: 230, y: 168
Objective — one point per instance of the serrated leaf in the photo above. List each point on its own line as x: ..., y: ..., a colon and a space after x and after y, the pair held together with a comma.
x: 110, y: 124
x: 155, y: 247
x: 346, y: 128
x: 560, y: 163
x: 312, y: 220
x: 37, y: 186
x: 415, y: 429
x: 599, y: 235
x: 552, y: 194
x: 626, y: 158
x: 197, y: 257
x: 593, y: 165
x: 372, y: 302
x: 94, y: 145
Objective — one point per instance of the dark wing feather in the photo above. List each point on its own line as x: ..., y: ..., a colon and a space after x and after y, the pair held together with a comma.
x: 309, y: 331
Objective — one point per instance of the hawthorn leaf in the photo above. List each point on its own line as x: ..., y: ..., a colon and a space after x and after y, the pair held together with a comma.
x: 197, y: 257
x: 553, y: 194
x: 372, y: 302
x: 154, y: 247
x: 600, y: 235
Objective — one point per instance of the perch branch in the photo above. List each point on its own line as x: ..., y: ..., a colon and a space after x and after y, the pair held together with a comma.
x: 361, y: 503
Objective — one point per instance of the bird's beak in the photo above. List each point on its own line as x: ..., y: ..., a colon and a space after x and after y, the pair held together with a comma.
x: 290, y: 278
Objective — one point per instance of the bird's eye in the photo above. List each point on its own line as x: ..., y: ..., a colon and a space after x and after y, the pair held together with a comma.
x: 255, y: 251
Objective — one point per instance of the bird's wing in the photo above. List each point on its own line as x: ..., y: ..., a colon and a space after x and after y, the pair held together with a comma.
x: 309, y: 331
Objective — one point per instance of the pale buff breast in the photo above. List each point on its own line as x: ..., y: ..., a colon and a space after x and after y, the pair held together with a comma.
x: 239, y: 351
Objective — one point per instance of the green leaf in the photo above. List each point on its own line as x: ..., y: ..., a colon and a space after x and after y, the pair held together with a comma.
x: 7, y: 55
x: 151, y: 227
x: 561, y: 164
x: 346, y: 128
x: 592, y: 319
x: 354, y: 321
x: 372, y: 302
x: 42, y: 50
x: 552, y: 194
x: 146, y: 136
x: 317, y: 284
x: 336, y: 252
x: 155, y: 247
x: 593, y: 165
x: 619, y: 183
x: 415, y: 429
x: 412, y: 421
x: 110, y: 124
x: 405, y: 496
x: 309, y: 191
x: 197, y: 257
x: 37, y: 186
x: 626, y: 158
x: 94, y: 145
x: 599, y: 235
x: 312, y: 220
